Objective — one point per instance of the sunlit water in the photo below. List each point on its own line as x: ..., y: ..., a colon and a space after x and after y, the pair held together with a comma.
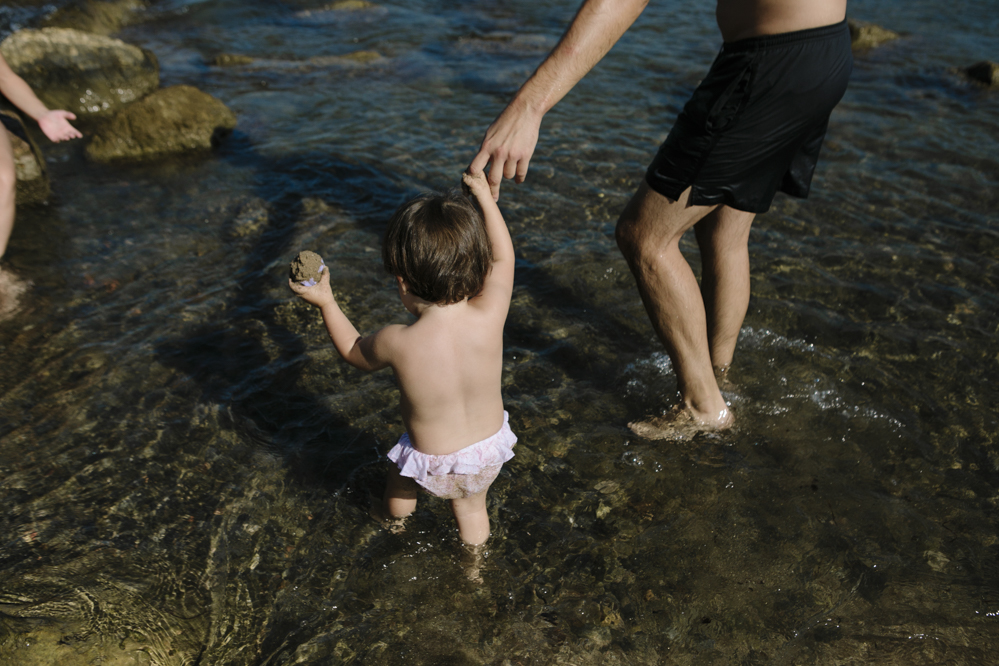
x: 185, y: 463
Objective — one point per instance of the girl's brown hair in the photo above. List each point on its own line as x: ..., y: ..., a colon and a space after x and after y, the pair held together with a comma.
x: 438, y: 244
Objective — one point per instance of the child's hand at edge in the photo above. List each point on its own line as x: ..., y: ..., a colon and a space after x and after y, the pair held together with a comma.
x: 55, y: 125
x: 319, y: 295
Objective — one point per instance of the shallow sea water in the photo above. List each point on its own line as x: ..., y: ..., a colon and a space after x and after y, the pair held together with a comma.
x: 185, y: 463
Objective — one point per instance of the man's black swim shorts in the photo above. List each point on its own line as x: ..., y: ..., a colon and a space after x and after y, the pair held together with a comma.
x: 755, y: 124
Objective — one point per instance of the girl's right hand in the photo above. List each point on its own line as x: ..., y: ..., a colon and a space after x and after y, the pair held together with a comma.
x: 319, y: 294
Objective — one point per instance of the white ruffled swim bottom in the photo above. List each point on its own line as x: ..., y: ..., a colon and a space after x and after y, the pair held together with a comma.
x: 466, y: 472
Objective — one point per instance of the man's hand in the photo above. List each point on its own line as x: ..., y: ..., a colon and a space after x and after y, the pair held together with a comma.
x: 56, y: 126
x: 510, y: 141
x: 508, y: 146
x: 319, y: 295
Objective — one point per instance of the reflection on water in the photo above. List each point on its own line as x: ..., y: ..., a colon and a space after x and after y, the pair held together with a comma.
x: 186, y: 465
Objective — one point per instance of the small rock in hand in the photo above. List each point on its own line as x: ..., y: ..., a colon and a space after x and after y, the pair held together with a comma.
x: 307, y: 268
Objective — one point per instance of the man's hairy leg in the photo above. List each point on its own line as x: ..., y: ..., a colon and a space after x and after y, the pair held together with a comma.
x: 648, y: 234
x: 723, y: 236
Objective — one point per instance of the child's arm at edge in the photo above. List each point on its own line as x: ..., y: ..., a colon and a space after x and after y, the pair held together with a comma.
x: 363, y: 353
x: 500, y: 278
x: 55, y: 124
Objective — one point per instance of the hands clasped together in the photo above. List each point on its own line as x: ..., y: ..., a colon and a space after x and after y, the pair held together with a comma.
x: 507, y: 146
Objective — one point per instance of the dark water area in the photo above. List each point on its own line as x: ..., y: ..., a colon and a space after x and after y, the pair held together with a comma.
x: 186, y: 464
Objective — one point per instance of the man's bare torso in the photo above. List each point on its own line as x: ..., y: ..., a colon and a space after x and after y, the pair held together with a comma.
x: 739, y: 19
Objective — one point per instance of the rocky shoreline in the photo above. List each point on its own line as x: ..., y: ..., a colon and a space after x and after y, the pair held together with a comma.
x: 113, y: 87
x: 73, y: 63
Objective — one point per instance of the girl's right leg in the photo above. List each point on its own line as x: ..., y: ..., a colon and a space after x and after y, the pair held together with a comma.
x: 473, y: 518
x: 8, y: 185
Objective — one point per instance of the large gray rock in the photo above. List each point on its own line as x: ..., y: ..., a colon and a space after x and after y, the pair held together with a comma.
x: 986, y: 72
x: 868, y: 35
x: 81, y: 72
x: 29, y: 165
x: 171, y: 120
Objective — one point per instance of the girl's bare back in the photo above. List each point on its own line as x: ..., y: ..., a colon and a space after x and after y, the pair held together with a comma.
x: 448, y: 368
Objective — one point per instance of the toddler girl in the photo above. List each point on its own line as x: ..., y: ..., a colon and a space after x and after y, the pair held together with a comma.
x: 454, y: 269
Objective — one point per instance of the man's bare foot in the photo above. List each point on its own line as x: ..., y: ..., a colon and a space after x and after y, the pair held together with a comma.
x: 11, y: 289
x: 382, y: 517
x: 679, y: 424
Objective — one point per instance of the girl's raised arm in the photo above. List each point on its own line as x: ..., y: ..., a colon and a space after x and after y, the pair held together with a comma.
x: 499, y: 283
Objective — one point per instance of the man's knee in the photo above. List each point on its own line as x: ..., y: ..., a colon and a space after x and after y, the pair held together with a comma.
x: 635, y: 227
x: 653, y: 223
x: 628, y: 241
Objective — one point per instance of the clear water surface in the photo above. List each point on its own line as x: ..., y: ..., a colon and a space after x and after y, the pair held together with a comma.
x: 185, y: 463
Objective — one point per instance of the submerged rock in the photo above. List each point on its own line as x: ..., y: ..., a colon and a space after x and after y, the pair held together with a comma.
x: 354, y: 57
x: 342, y: 6
x: 81, y: 72
x: 502, y: 42
x: 251, y: 218
x: 986, y: 72
x: 231, y: 60
x: 350, y: 5
x: 347, y: 10
x: 97, y: 16
x: 350, y: 60
x: 868, y: 35
x: 171, y: 120
x: 29, y: 165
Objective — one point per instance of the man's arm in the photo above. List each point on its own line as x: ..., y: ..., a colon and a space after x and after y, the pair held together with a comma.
x: 510, y: 141
x: 55, y: 124
x: 499, y: 282
x: 364, y: 353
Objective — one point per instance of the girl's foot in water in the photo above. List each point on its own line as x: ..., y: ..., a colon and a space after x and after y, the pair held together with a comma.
x: 11, y: 289
x: 473, y: 560
x: 383, y: 518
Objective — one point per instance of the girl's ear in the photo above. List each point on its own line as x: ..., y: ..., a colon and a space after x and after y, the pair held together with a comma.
x: 403, y: 287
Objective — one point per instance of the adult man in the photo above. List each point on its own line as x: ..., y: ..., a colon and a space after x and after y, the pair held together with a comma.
x: 753, y: 126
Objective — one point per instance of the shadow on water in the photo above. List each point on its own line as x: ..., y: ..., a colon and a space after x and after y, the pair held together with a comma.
x: 335, y: 565
x: 318, y: 445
